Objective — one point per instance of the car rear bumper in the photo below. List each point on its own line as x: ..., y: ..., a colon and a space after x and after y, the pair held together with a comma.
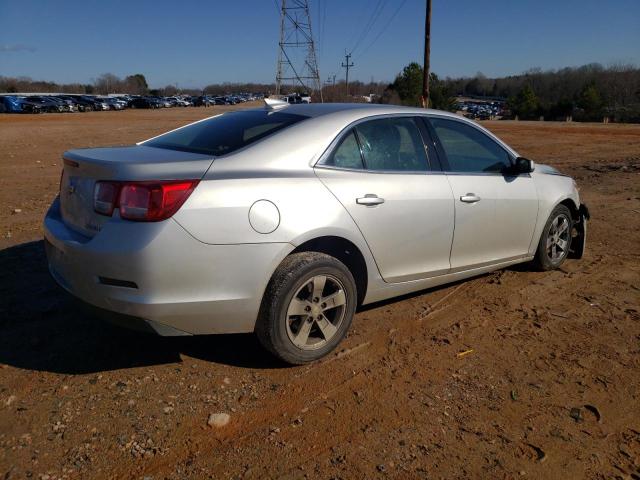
x: 159, y: 273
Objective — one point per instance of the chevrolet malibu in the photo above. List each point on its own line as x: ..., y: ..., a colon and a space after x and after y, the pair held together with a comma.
x: 283, y: 220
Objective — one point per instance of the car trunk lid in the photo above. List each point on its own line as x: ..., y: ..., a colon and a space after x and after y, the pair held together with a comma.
x: 83, y: 168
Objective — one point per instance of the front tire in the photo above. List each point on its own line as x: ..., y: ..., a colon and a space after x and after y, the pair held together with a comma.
x: 555, y: 240
x: 307, y: 308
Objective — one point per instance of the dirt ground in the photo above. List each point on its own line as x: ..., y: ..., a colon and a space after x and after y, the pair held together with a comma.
x: 515, y: 374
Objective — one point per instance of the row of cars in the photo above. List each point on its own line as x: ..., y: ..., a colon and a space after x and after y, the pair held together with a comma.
x: 60, y: 103
x: 480, y: 110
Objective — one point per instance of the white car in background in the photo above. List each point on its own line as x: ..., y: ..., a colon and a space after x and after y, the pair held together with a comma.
x: 283, y: 220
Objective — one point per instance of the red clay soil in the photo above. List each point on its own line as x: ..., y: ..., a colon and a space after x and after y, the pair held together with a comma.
x: 515, y: 374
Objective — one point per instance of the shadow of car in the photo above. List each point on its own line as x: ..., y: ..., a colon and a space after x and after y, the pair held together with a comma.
x: 43, y: 328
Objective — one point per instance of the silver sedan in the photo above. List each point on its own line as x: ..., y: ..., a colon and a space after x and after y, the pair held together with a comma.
x: 283, y: 220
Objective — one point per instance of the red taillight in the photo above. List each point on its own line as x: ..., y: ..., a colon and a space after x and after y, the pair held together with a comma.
x: 105, y: 197
x: 142, y: 201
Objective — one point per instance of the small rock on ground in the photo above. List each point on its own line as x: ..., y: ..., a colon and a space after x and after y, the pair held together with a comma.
x: 218, y: 420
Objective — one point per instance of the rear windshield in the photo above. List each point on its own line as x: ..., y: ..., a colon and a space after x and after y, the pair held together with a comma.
x: 225, y: 133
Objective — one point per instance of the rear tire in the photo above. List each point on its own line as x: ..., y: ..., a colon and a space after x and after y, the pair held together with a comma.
x: 555, y: 241
x: 307, y: 307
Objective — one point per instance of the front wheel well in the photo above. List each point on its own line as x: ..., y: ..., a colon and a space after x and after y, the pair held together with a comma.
x: 345, y: 251
x: 575, y: 213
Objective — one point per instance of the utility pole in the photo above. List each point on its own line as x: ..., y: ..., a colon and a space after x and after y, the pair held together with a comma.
x: 347, y: 66
x: 427, y: 53
x: 297, y: 62
x: 331, y: 82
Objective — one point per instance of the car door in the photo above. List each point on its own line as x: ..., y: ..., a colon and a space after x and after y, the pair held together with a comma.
x: 495, y: 211
x: 383, y: 173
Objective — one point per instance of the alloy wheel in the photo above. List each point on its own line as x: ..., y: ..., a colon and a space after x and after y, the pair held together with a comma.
x: 558, y: 237
x: 316, y: 312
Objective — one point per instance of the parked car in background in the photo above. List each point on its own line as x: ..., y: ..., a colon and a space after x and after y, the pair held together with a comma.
x: 67, y: 103
x: 203, y: 101
x: 74, y: 100
x: 142, y: 102
x: 101, y: 104
x: 48, y: 104
x: 156, y: 102
x: 96, y: 102
x: 178, y: 102
x: 16, y: 104
x: 297, y: 98
x: 114, y: 103
x: 82, y: 104
x: 282, y: 220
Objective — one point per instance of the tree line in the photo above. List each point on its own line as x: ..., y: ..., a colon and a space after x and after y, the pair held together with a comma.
x: 106, y: 83
x: 587, y: 93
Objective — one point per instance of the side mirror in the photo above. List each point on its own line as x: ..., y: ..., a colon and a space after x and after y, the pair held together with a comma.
x: 522, y: 165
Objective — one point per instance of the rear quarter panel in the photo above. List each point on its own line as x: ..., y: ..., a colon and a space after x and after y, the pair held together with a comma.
x: 278, y: 169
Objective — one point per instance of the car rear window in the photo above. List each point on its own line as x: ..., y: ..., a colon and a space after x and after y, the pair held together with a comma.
x: 225, y: 133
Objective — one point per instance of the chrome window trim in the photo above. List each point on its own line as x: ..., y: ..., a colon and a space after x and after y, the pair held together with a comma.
x: 393, y: 172
x: 338, y: 138
x: 486, y: 174
x: 344, y: 132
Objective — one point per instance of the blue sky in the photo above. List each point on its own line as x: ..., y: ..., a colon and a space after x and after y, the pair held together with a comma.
x: 194, y: 43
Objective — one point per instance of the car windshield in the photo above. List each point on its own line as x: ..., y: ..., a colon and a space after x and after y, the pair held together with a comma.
x: 225, y: 133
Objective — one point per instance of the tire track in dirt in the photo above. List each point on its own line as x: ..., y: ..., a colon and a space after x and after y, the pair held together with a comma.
x: 355, y: 361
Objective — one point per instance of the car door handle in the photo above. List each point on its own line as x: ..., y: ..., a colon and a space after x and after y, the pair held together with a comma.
x: 370, y: 200
x: 470, y: 198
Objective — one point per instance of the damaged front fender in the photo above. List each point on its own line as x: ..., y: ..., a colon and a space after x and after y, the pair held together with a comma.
x: 579, y: 242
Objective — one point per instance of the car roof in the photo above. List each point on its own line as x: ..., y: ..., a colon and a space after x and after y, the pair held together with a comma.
x: 357, y: 109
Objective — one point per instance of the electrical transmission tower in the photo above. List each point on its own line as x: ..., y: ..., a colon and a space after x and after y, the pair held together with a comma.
x: 297, y: 63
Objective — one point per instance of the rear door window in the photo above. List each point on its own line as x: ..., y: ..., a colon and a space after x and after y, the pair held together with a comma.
x: 392, y: 144
x: 347, y: 154
x: 226, y: 133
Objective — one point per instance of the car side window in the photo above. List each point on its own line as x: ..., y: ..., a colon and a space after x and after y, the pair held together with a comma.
x: 468, y: 149
x: 347, y: 154
x: 392, y: 144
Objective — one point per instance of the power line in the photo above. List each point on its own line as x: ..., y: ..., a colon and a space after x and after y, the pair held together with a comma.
x: 367, y: 26
x: 384, y: 28
x: 375, y: 14
x: 322, y: 16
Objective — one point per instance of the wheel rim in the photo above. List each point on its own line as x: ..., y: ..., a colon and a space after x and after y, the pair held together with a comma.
x: 558, y: 238
x: 316, y: 312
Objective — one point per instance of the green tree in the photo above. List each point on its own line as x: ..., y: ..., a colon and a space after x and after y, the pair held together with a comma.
x: 136, y: 84
x: 408, y: 84
x: 590, y: 101
x: 560, y: 110
x: 408, y: 88
x: 525, y: 104
x: 440, y: 96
